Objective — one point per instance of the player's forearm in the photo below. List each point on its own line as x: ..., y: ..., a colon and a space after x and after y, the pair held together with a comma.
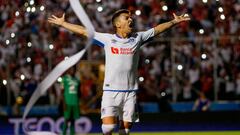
x: 75, y: 28
x: 164, y: 26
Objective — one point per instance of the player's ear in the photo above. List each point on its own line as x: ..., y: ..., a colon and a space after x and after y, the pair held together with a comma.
x: 117, y: 24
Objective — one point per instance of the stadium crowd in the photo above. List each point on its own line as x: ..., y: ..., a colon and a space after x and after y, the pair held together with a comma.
x: 202, y: 55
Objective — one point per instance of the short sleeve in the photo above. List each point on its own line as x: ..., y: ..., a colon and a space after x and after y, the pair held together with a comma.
x: 100, y: 39
x: 146, y: 35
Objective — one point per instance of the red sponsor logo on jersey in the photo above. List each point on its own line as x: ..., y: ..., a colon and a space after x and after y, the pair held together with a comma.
x: 126, y: 51
x: 122, y: 50
x: 114, y: 50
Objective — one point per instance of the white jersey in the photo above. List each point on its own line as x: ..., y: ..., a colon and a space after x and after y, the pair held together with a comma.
x: 121, y: 59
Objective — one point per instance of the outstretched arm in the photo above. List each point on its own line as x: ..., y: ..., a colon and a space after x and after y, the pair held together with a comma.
x: 164, y: 26
x: 71, y: 27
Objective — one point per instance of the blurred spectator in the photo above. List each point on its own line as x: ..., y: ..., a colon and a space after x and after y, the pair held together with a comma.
x: 202, y: 104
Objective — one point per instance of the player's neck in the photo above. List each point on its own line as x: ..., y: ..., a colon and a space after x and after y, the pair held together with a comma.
x: 122, y: 34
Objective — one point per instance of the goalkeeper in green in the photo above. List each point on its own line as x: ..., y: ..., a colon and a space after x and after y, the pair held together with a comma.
x: 70, y: 86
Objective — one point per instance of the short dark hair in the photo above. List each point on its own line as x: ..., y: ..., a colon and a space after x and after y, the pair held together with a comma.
x: 117, y: 14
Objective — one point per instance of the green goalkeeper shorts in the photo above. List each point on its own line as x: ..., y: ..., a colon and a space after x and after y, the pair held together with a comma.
x: 72, y: 111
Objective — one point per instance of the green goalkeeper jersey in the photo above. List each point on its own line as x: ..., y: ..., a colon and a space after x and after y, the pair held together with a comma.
x: 71, y: 87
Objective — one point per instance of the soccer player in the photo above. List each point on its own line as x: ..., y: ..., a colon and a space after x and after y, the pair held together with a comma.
x: 121, y: 62
x: 70, y: 85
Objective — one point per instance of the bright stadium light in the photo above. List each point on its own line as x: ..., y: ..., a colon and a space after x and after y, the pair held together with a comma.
x: 4, y: 82
x: 28, y: 9
x: 163, y: 94
x: 25, y: 4
x: 204, y: 1
x: 29, y: 59
x: 98, y: 0
x: 59, y: 79
x: 204, y: 56
x: 29, y: 44
x: 164, y: 8
x: 138, y: 12
x: 141, y: 79
x: 31, y: 2
x: 17, y: 13
x: 222, y: 16
x: 201, y: 31
x: 12, y: 35
x: 179, y: 67
x: 7, y: 42
x: 51, y: 46
x: 220, y: 9
x: 42, y: 8
x: 147, y: 61
x: 100, y: 9
x: 22, y: 77
x: 180, y: 2
x: 33, y: 9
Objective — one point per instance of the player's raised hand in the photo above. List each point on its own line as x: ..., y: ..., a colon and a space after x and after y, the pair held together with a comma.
x: 57, y: 20
x: 181, y: 18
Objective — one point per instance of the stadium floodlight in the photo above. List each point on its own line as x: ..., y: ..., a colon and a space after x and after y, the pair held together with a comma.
x: 222, y: 17
x: 17, y: 13
x: 51, y: 46
x: 204, y: 1
x: 201, y: 31
x: 179, y: 67
x: 138, y: 12
x: 29, y: 59
x: 59, y: 79
x: 31, y: 2
x: 33, y: 9
x: 12, y: 35
x: 98, y: 0
x: 141, y: 79
x: 4, y: 82
x: 220, y: 9
x: 28, y: 9
x: 25, y: 4
x: 7, y: 42
x: 204, y: 56
x: 29, y: 44
x: 147, y: 61
x: 22, y: 77
x: 164, y: 8
x: 42, y: 8
x: 163, y: 94
x: 100, y: 9
x: 180, y: 2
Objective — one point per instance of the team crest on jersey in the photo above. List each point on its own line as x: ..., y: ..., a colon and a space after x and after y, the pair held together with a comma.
x: 131, y: 40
